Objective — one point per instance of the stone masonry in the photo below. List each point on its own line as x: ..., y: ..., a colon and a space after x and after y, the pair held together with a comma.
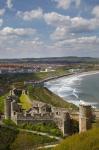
x: 40, y: 112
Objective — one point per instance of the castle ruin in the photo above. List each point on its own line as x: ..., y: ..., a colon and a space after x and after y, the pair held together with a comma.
x: 40, y: 112
x: 46, y: 113
x: 85, y: 117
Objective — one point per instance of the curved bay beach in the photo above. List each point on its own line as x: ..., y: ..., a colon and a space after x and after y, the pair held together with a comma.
x: 80, y: 86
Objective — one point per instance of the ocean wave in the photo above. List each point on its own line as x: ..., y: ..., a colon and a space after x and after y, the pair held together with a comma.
x: 64, y: 87
x: 70, y: 89
x: 75, y: 93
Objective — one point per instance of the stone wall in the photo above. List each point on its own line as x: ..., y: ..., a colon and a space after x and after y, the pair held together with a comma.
x: 96, y: 113
x: 59, y: 116
x: 85, y: 117
x: 8, y: 108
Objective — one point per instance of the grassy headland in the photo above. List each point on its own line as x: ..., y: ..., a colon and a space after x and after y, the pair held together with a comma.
x: 46, y: 96
x: 7, y: 81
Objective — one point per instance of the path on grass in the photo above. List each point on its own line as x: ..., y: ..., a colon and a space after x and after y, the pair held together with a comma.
x: 31, y: 131
x: 47, y: 146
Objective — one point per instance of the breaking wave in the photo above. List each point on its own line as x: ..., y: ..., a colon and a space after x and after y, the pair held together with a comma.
x: 72, y: 89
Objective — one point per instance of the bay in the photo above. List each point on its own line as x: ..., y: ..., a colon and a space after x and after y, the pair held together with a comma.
x: 80, y: 87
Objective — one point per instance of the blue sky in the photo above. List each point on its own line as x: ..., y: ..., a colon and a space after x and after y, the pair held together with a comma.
x: 49, y: 28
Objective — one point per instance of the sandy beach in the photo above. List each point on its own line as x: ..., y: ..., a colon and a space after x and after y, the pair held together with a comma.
x: 68, y: 87
x: 81, y: 74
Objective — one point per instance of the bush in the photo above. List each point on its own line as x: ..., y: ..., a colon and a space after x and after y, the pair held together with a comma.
x: 7, y: 136
x: 50, y: 128
x: 9, y: 122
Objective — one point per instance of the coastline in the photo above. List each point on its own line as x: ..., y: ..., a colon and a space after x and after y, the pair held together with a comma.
x: 69, y: 79
x: 85, y: 73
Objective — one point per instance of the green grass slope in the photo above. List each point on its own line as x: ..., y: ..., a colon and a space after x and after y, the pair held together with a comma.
x: 44, y: 95
x: 2, y: 100
x: 17, y: 140
x: 7, y: 137
x: 29, y: 141
x: 84, y: 141
x: 25, y: 101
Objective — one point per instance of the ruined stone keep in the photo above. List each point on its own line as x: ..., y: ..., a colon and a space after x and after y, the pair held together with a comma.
x: 85, y: 117
x: 40, y: 112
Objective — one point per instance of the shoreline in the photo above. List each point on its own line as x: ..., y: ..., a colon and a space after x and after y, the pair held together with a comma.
x: 82, y: 74
x: 86, y: 73
x: 71, y: 76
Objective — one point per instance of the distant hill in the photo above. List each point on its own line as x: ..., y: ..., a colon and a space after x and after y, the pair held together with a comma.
x: 70, y: 59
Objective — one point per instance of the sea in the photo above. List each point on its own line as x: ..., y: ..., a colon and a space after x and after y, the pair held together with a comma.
x: 76, y: 88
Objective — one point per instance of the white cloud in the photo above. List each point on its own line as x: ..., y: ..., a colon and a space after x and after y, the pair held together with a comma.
x: 56, y: 19
x: 95, y: 11
x: 17, y: 31
x: 2, y: 11
x: 18, y: 46
x: 60, y: 33
x: 35, y: 43
x: 65, y: 4
x: 80, y: 24
x: 9, y: 4
x: 65, y: 25
x: 30, y: 15
x: 19, y: 42
x: 75, y: 24
x: 79, y: 21
x: 78, y: 45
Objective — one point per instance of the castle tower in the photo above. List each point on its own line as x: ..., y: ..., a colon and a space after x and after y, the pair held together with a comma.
x: 14, y: 109
x: 23, y: 92
x: 66, y: 124
x: 63, y: 122
x: 8, y: 108
x: 85, y: 117
x: 12, y: 93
